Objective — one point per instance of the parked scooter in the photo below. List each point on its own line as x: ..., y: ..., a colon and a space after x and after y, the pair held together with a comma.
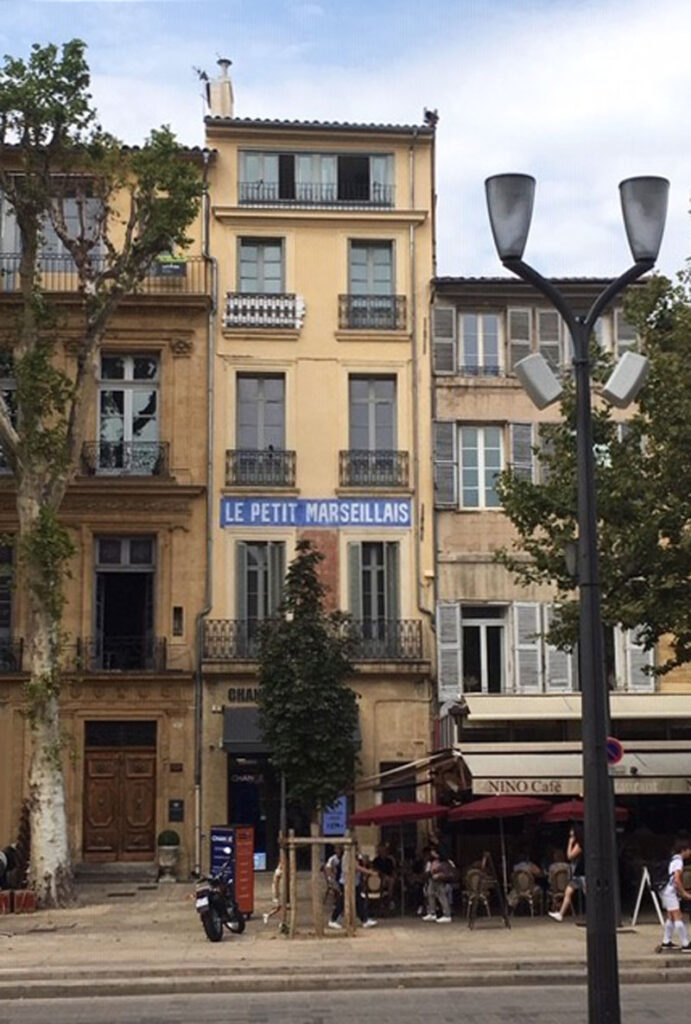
x: 216, y: 904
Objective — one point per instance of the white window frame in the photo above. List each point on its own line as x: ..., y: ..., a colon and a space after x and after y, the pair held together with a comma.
x: 482, y: 369
x: 483, y: 625
x: 482, y: 490
x: 129, y: 386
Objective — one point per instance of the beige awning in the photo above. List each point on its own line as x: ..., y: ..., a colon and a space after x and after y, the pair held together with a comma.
x: 487, y: 707
x: 549, y: 769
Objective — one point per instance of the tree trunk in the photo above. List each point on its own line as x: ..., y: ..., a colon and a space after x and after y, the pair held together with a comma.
x: 50, y: 872
x: 317, y: 897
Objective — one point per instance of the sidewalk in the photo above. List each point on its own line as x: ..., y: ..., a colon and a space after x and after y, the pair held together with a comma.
x: 124, y: 939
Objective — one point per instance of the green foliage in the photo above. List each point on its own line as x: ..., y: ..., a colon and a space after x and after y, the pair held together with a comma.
x: 308, y: 712
x: 643, y: 480
x: 46, y: 549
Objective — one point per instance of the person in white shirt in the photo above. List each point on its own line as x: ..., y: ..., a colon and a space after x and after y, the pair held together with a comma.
x: 670, y: 897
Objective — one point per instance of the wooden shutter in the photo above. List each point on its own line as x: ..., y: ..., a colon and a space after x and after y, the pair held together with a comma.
x: 445, y: 464
x: 637, y: 661
x: 393, y: 586
x: 549, y: 334
x: 520, y: 342
x: 558, y: 664
x: 276, y: 555
x: 444, y: 338
x: 241, y: 581
x: 449, y: 640
x: 527, y: 661
x: 522, y: 450
x: 355, y: 580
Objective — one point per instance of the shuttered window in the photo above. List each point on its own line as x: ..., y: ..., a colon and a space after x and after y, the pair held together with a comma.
x: 527, y: 653
x: 448, y: 651
x: 522, y: 450
x: 373, y: 581
x: 549, y: 336
x: 479, y: 345
x: 445, y: 465
x: 481, y: 457
x: 259, y: 573
x: 444, y: 339
x: 559, y: 665
x: 519, y: 335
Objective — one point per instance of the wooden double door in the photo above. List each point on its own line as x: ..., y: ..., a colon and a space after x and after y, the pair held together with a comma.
x: 119, y: 803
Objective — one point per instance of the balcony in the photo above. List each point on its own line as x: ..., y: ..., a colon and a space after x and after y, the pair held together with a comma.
x: 351, y: 195
x: 186, y: 276
x: 387, y: 640
x: 121, y: 654
x: 390, y: 640
x: 125, y: 458
x: 360, y: 468
x: 269, y: 468
x: 279, y: 311
x: 372, y: 312
x: 11, y: 654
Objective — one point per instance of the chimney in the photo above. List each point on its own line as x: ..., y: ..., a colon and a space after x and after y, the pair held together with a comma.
x: 221, y: 92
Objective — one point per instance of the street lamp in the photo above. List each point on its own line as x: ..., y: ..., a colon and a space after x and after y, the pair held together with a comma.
x: 644, y: 205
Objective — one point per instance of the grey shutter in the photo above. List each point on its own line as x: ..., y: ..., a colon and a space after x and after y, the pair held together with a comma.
x: 445, y: 465
x: 241, y: 581
x: 527, y: 661
x: 444, y: 338
x: 549, y: 333
x: 393, y: 586
x: 355, y: 580
x: 520, y: 342
x: 558, y: 664
x: 276, y: 574
x: 449, y: 641
x: 637, y: 661
x: 546, y: 446
x: 522, y: 450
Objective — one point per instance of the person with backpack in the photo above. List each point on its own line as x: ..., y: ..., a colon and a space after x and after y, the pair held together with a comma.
x: 670, y: 894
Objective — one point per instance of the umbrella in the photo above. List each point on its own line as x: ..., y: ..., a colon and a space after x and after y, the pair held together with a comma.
x: 499, y: 807
x: 574, y: 810
x: 397, y: 813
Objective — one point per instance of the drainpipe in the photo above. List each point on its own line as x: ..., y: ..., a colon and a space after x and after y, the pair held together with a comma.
x: 212, y: 264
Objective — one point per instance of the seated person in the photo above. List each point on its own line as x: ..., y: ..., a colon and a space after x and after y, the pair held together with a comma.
x: 385, y: 864
x: 524, y: 863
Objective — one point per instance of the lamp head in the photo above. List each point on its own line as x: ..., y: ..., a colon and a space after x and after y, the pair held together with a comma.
x: 510, y: 205
x: 644, y: 207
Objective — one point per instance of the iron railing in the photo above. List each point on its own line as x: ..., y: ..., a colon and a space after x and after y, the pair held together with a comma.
x: 267, y: 468
x: 384, y: 640
x: 316, y: 193
x: 362, y: 468
x: 11, y: 654
x: 125, y: 458
x: 483, y: 370
x: 372, y: 312
x: 186, y: 276
x: 281, y: 310
x: 121, y: 654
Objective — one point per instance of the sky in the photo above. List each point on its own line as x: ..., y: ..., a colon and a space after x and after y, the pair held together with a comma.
x: 580, y: 94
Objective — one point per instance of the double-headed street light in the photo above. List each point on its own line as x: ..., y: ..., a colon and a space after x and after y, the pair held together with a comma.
x: 644, y: 205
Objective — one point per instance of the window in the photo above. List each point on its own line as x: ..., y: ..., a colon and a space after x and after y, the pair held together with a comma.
x: 625, y: 337
x: 260, y: 412
x: 128, y: 414
x: 481, y: 461
x: 82, y: 217
x: 8, y: 390
x: 124, y: 605
x: 375, y: 595
x: 519, y: 335
x: 371, y: 268
x: 549, y: 337
x: 324, y: 178
x: 372, y: 403
x: 482, y: 649
x: 260, y: 266
x: 479, y: 344
x: 259, y: 572
x: 6, y: 584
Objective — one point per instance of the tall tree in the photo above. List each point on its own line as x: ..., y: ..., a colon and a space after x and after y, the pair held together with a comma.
x: 308, y: 711
x: 113, y: 210
x: 643, y: 476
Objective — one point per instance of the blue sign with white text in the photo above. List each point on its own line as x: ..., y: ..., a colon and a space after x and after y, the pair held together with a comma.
x: 335, y: 817
x: 317, y: 512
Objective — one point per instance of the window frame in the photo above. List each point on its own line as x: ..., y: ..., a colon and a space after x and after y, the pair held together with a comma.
x: 262, y: 243
x: 481, y: 468
x: 483, y: 369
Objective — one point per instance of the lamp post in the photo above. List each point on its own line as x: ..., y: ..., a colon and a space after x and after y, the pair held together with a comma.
x: 644, y: 206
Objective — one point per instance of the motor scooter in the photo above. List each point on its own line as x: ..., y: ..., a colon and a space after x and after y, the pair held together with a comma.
x: 216, y: 904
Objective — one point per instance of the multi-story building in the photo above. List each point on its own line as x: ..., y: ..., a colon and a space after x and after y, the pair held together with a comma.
x: 513, y: 696
x: 136, y: 513
x: 322, y: 234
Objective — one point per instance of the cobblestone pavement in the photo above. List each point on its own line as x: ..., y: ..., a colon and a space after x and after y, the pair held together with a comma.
x: 640, y: 1005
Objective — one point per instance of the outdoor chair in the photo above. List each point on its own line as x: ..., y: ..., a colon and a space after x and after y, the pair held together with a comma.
x: 374, y: 890
x: 557, y: 880
x: 524, y: 889
x: 476, y: 892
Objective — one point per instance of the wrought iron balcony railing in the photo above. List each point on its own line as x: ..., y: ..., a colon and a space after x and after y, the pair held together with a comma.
x: 372, y: 312
x: 121, y: 654
x: 11, y: 654
x: 267, y: 468
x: 316, y: 193
x: 186, y: 276
x: 362, y: 468
x: 125, y: 458
x: 385, y: 640
x: 282, y: 311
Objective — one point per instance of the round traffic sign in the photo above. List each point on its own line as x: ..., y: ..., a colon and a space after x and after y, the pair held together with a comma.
x: 615, y: 750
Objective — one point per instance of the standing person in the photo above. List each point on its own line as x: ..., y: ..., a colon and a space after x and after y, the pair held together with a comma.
x: 440, y: 872
x: 575, y: 855
x: 361, y: 904
x: 670, y: 897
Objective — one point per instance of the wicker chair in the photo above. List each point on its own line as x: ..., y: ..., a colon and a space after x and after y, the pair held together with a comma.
x: 524, y: 889
x: 476, y: 892
x: 557, y: 879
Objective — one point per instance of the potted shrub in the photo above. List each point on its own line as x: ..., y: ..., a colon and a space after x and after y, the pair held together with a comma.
x: 168, y: 843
